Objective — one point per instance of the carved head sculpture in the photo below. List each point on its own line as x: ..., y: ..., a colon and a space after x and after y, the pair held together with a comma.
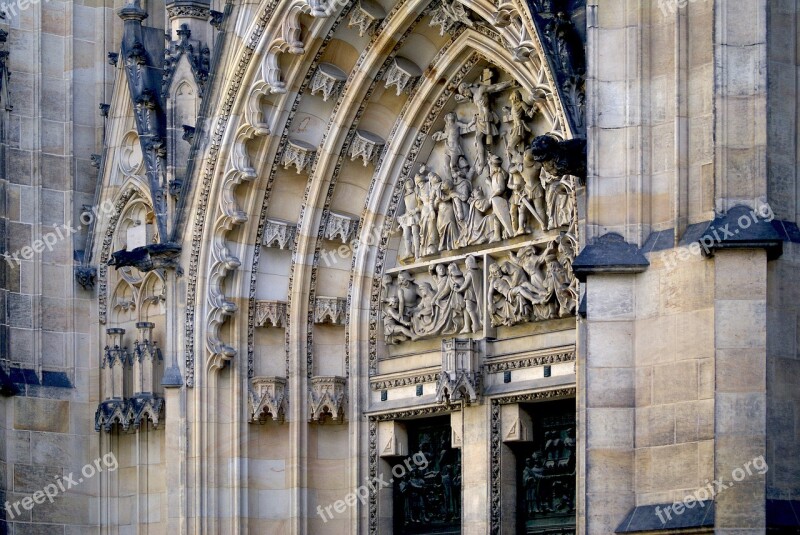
x: 463, y: 164
x: 441, y: 270
x: 464, y: 90
x: 404, y: 279
x: 392, y: 302
x: 450, y: 118
x: 515, y: 97
x: 471, y: 262
x: 528, y: 159
x: 494, y: 271
x: 409, y: 186
x: 453, y: 270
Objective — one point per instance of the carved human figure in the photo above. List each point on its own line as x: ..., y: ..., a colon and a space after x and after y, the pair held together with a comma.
x: 534, y: 188
x: 423, y: 316
x: 446, y: 221
x: 516, y: 203
x: 426, y: 196
x: 558, y: 199
x: 396, y: 329
x: 517, y: 113
x: 407, y: 297
x: 472, y: 291
x: 451, y: 135
x: 559, y: 282
x: 409, y: 222
x: 508, y: 302
x: 462, y: 189
x: 497, y: 189
x: 485, y: 120
x: 480, y: 224
x: 531, y: 477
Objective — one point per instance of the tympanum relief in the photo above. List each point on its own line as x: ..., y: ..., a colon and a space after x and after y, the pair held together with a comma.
x: 494, y: 193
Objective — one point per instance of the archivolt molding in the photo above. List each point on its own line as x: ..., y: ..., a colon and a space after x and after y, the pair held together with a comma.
x: 280, y: 19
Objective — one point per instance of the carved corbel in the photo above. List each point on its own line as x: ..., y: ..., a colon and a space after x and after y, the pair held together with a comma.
x: 279, y: 234
x: 340, y: 226
x: 327, y: 397
x: 402, y: 74
x: 330, y: 310
x: 366, y: 14
x: 300, y: 154
x: 460, y: 378
x: 328, y: 80
x: 267, y: 398
x: 270, y: 313
x: 366, y: 146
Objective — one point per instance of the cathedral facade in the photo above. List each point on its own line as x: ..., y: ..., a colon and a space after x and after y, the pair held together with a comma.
x: 400, y: 267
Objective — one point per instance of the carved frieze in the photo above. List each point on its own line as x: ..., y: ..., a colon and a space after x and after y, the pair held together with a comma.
x: 366, y: 146
x: 366, y: 15
x: 327, y: 396
x: 267, y: 398
x: 279, y: 234
x: 329, y: 81
x: 300, y: 154
x: 330, y: 310
x: 270, y: 313
x: 460, y: 378
x: 340, y: 226
x: 532, y: 283
x: 402, y: 74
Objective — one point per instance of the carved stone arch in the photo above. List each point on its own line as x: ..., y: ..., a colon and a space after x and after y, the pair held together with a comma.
x: 124, y: 303
x: 384, y: 193
x: 239, y: 168
x: 132, y: 191
x: 152, y: 296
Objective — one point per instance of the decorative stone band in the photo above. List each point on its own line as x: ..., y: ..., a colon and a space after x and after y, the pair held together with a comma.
x: 327, y: 396
x: 270, y: 313
x: 267, y: 396
x: 516, y: 363
x: 366, y: 15
x: 404, y: 380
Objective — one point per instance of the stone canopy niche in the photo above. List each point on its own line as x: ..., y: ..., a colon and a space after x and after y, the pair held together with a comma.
x: 488, y: 222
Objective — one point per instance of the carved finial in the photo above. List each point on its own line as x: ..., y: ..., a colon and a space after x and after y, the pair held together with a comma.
x: 184, y: 32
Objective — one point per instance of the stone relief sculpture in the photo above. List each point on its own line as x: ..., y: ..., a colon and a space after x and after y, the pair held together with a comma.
x: 506, y: 184
x: 519, y: 183
x: 533, y: 283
